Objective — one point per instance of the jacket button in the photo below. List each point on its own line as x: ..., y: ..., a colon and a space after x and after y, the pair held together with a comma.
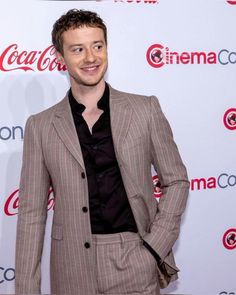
x: 83, y: 175
x: 85, y: 209
x: 87, y: 245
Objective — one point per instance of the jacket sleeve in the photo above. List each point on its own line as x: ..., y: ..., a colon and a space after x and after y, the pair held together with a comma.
x: 172, y: 173
x: 32, y: 214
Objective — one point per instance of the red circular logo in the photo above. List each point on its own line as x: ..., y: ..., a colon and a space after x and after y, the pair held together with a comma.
x: 155, y: 55
x: 229, y: 239
x: 230, y: 119
x: 232, y: 2
x: 157, y: 186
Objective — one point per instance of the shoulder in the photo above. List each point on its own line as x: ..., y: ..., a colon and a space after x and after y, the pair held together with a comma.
x: 137, y: 101
x: 129, y: 95
x: 132, y: 97
x: 48, y: 114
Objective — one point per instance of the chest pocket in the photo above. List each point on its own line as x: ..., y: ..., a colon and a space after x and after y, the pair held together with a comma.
x: 133, y: 143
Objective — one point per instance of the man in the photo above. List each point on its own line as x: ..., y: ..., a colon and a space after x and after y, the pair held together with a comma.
x: 96, y: 147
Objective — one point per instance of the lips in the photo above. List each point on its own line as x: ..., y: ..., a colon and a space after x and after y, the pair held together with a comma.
x: 90, y: 68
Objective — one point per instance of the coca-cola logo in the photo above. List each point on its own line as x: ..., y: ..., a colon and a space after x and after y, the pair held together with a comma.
x: 12, y: 59
x: 12, y: 202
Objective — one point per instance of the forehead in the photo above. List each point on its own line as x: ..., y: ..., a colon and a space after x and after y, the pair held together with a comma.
x: 83, y: 35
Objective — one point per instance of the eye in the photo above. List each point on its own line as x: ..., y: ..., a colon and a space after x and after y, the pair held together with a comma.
x: 98, y: 46
x: 77, y: 49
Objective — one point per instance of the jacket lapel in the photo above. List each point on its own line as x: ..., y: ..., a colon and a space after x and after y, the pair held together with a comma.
x: 120, y: 114
x: 65, y: 127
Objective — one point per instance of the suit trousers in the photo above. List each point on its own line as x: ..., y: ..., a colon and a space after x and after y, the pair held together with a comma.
x: 124, y: 265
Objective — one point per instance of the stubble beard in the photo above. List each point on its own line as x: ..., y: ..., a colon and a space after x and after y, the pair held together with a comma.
x: 84, y: 82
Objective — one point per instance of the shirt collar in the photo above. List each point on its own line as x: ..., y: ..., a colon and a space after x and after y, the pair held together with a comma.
x: 102, y: 104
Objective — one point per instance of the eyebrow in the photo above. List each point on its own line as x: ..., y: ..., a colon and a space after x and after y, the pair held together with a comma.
x: 80, y: 44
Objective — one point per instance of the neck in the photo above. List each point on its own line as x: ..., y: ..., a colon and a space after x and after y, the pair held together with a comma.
x: 88, y: 95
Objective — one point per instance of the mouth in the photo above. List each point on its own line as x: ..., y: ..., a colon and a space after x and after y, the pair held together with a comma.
x: 90, y: 69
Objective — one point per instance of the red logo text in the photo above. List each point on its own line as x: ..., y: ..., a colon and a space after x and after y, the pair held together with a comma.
x: 223, y: 181
x: 12, y: 202
x: 157, y: 56
x: 12, y: 59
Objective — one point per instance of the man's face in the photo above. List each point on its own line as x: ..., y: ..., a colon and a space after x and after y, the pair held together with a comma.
x: 85, y: 55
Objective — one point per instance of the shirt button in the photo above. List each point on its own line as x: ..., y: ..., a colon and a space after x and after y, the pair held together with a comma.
x: 85, y: 209
x: 100, y: 175
x: 87, y: 245
x: 83, y: 175
x: 95, y: 147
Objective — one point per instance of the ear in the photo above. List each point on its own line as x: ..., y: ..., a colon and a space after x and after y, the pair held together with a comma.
x: 60, y: 58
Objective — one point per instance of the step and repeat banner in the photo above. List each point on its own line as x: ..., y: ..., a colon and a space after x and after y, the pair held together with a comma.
x: 182, y: 51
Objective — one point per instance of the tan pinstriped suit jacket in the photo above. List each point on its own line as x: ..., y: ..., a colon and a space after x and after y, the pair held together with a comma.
x: 52, y: 155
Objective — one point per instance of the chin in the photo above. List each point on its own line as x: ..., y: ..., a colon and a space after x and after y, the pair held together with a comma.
x: 93, y: 82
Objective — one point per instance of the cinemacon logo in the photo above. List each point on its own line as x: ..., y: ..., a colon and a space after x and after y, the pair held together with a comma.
x: 11, y: 133
x: 223, y: 181
x: 229, y: 119
x: 157, y: 186
x: 158, y: 55
x: 14, y: 58
x: 232, y: 2
x: 6, y: 274
x: 12, y: 202
x: 229, y: 239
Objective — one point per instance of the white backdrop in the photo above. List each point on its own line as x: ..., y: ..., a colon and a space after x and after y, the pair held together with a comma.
x: 195, y: 83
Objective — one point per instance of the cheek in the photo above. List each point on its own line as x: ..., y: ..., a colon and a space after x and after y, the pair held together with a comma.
x: 72, y: 64
x: 103, y: 55
x: 105, y: 60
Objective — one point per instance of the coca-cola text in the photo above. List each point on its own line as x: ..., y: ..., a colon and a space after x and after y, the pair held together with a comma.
x: 12, y: 59
x: 12, y: 202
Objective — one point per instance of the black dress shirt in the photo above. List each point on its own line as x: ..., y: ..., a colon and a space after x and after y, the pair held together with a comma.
x: 110, y: 211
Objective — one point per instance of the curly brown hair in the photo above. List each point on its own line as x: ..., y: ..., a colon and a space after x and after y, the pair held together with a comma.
x: 74, y: 19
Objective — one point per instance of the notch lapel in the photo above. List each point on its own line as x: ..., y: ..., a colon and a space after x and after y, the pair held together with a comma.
x: 65, y: 127
x: 121, y: 114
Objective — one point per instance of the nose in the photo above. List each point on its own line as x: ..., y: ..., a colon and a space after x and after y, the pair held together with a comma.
x: 90, y: 57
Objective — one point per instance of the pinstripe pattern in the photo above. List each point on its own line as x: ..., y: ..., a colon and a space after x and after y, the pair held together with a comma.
x: 124, y: 265
x: 52, y: 154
